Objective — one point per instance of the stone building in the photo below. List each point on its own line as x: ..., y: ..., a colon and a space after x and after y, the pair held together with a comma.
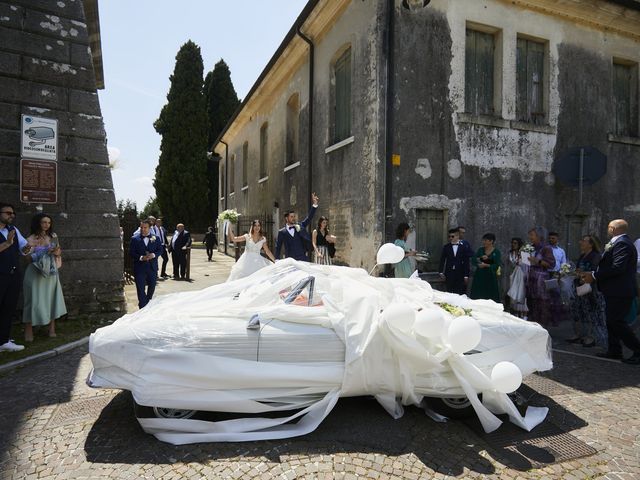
x: 444, y: 113
x: 51, y: 66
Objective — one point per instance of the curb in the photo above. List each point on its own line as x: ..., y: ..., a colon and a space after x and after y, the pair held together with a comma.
x: 43, y: 355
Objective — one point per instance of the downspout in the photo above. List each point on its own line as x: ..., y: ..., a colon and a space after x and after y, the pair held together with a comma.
x: 310, y: 130
x: 226, y: 179
x: 389, y: 122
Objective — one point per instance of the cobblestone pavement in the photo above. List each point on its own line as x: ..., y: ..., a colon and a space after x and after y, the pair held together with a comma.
x: 54, y: 427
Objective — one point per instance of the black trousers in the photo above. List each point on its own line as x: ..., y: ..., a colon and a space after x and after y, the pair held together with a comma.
x: 165, y: 259
x: 617, y: 329
x: 455, y: 283
x: 9, y: 290
x: 209, y: 251
x: 179, y: 260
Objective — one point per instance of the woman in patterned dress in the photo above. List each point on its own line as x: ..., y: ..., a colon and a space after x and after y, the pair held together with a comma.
x: 541, y: 263
x: 321, y: 240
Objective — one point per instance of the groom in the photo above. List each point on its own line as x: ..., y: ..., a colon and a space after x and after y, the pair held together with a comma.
x: 294, y: 235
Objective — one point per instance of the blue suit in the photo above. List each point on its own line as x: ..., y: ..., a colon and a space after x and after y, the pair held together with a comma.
x: 298, y: 245
x: 145, y: 273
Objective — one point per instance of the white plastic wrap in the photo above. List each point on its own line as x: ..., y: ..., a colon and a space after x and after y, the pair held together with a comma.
x: 192, y: 351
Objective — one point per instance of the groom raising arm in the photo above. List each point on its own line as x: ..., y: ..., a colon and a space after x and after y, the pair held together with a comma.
x: 294, y: 235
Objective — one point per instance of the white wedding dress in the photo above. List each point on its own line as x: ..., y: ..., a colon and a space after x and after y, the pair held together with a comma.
x: 250, y: 261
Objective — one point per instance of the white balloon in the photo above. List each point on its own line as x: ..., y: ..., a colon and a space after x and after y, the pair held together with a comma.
x: 429, y: 323
x: 389, y: 253
x: 464, y: 334
x: 401, y: 316
x: 506, y: 377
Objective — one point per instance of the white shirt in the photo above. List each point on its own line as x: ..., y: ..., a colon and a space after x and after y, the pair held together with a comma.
x: 291, y: 229
x: 21, y: 240
x: 637, y: 245
x: 455, y: 249
x: 560, y: 256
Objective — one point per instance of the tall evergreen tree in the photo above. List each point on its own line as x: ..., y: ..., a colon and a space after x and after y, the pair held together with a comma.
x: 222, y: 99
x: 181, y: 181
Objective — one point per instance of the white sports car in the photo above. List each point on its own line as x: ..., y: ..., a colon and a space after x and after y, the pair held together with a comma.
x: 277, y: 349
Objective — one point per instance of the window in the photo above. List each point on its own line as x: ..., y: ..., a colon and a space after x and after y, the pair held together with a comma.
x: 264, y: 149
x: 223, y: 187
x: 625, y: 99
x: 232, y: 173
x: 341, y: 86
x: 479, y: 73
x: 293, y: 114
x: 530, y: 81
x: 245, y: 163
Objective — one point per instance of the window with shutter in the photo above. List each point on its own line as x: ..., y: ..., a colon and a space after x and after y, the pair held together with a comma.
x: 625, y: 99
x: 479, y: 72
x: 232, y: 173
x: 245, y: 163
x: 342, y: 97
x: 293, y: 114
x: 264, y: 152
x: 530, y: 83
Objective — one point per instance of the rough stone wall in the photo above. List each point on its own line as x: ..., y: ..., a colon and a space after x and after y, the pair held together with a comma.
x: 495, y: 175
x: 46, y: 70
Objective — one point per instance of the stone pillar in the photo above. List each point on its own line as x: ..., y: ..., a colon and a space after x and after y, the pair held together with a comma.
x: 47, y: 70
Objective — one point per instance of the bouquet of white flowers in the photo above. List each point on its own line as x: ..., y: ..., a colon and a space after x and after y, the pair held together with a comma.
x: 525, y: 252
x: 231, y: 215
x: 528, y: 248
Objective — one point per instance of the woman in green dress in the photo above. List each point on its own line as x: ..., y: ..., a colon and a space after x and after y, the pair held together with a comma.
x: 403, y: 269
x: 487, y: 260
x: 43, y: 299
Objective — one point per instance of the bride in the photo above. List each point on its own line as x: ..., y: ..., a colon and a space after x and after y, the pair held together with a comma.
x: 250, y: 261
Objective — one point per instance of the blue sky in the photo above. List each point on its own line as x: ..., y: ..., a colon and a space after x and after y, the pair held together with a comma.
x: 140, y: 40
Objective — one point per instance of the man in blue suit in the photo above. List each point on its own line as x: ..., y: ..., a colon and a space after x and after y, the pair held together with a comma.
x: 454, y: 264
x: 144, y: 249
x: 294, y: 235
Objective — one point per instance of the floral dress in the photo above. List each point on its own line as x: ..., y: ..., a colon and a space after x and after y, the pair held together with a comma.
x: 539, y: 299
x: 588, y: 311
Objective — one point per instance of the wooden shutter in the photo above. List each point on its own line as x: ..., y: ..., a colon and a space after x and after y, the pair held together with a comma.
x: 431, y: 234
x: 342, y: 71
x: 622, y: 98
x: 479, y: 61
x: 245, y: 163
x: 264, y: 144
x: 232, y: 174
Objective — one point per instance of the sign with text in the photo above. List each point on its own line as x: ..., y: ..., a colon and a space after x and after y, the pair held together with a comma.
x: 38, y: 181
x: 39, y: 138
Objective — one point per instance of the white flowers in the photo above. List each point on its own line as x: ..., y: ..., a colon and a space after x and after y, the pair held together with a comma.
x: 528, y: 248
x: 297, y: 227
x: 230, y: 214
x: 566, y: 268
x: 153, y: 238
x: 608, y: 246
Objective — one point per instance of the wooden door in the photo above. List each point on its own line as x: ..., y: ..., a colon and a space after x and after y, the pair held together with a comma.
x: 431, y: 233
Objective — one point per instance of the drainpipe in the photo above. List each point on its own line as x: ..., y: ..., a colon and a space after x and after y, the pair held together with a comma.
x: 389, y: 121
x: 310, y: 132
x: 226, y: 179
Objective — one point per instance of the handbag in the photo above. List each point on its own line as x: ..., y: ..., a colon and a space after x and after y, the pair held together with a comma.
x: 583, y: 289
x: 332, y: 249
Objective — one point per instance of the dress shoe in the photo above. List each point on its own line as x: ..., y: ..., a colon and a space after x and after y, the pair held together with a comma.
x: 609, y: 355
x: 632, y: 360
x: 590, y: 344
x: 574, y: 340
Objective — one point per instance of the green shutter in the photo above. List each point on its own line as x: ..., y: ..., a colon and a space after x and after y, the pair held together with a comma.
x: 479, y: 59
x: 342, y: 71
x: 622, y: 99
x: 530, y: 81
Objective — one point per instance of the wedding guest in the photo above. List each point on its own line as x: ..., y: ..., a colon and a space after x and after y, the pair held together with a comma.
x: 516, y: 297
x: 250, y: 261
x: 559, y: 310
x: 454, y: 264
x: 145, y: 250
x: 164, y: 241
x: 541, y: 263
x: 403, y: 269
x: 210, y: 242
x: 558, y: 252
x: 616, y: 277
x: 487, y: 260
x: 12, y: 245
x: 43, y: 298
x: 180, y: 243
x: 462, y: 232
x: 588, y: 311
x: 323, y: 242
x: 294, y: 236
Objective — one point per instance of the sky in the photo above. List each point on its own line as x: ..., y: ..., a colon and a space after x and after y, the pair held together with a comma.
x: 140, y: 40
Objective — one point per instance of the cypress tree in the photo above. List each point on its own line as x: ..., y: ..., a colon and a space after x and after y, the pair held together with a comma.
x: 222, y: 99
x: 180, y: 181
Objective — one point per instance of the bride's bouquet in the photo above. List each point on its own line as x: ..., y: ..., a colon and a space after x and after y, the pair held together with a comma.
x: 230, y: 215
x: 525, y: 252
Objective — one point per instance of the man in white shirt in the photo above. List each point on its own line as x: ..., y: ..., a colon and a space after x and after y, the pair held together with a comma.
x: 558, y: 252
x: 12, y: 245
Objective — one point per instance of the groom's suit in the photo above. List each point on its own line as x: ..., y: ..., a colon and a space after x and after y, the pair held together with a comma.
x: 145, y: 273
x: 294, y: 239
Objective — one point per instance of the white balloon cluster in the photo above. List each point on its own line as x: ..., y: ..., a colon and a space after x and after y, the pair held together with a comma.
x: 460, y: 335
x: 389, y: 253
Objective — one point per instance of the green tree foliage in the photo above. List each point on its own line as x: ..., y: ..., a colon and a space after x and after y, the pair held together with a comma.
x: 222, y: 102
x: 180, y: 181
x: 126, y: 206
x: 151, y: 209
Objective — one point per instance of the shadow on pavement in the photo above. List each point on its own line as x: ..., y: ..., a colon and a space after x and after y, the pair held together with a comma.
x: 356, y: 425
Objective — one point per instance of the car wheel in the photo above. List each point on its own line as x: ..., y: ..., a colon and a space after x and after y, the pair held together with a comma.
x: 452, y: 407
x: 161, y: 412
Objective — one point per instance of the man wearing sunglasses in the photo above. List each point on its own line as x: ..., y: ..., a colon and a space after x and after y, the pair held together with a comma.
x: 455, y: 264
x: 12, y: 245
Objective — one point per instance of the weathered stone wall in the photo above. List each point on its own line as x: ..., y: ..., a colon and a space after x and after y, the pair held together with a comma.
x: 496, y: 174
x: 46, y: 70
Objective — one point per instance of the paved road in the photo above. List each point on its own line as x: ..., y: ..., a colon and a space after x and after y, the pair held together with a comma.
x: 54, y: 427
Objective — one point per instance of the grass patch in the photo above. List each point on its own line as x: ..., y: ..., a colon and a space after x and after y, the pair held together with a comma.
x: 67, y: 329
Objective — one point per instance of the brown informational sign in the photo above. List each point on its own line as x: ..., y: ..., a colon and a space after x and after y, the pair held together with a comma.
x: 38, y: 181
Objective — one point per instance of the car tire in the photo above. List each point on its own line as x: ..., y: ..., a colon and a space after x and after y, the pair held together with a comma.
x: 452, y: 407
x: 142, y: 411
